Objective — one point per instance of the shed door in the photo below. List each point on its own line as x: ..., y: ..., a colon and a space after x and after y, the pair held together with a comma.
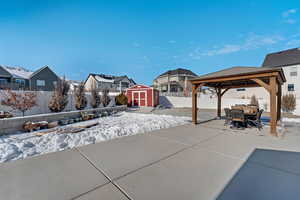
x: 135, y: 99
x: 142, y: 99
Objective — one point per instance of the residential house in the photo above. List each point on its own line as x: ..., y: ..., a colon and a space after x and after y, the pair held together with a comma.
x: 113, y: 83
x: 174, y: 80
x: 289, y: 60
x: 20, y: 78
x: 73, y: 84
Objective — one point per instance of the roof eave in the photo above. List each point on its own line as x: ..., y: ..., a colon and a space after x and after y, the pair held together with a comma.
x: 241, y: 74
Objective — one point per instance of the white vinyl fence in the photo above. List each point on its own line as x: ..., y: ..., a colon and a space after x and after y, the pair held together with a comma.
x: 208, y: 102
x: 43, y: 98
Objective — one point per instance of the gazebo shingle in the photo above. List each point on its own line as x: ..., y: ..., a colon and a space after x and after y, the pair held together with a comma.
x: 237, y: 70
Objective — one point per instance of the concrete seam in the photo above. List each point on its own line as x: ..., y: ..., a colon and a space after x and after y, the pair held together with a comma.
x: 105, y: 175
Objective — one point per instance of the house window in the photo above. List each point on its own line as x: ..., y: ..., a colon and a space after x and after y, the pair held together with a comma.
x: 291, y: 87
x: 240, y: 89
x: 54, y: 83
x: 293, y: 71
x: 40, y: 82
x: 3, y: 81
x: 181, y: 78
x: 20, y: 81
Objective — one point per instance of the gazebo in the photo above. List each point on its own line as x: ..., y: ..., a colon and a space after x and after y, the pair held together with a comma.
x: 242, y: 77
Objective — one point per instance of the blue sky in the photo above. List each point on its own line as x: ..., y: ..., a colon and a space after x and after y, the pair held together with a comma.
x: 144, y: 38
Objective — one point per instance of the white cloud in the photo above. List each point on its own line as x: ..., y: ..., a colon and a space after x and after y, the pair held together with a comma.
x: 293, y: 43
x: 290, y: 21
x: 136, y: 44
x: 226, y: 49
x: 252, y: 41
x: 289, y: 12
x: 287, y: 16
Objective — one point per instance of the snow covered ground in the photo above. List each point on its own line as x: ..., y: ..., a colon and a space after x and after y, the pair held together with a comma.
x: 19, y: 146
x: 295, y: 120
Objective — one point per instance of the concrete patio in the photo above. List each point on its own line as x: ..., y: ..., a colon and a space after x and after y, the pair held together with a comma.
x: 205, y: 161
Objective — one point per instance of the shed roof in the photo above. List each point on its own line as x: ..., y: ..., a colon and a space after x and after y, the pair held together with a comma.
x: 282, y: 58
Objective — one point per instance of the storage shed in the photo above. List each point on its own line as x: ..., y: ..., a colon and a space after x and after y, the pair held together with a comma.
x: 142, y: 95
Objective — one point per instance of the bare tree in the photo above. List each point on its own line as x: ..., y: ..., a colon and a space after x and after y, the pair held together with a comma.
x: 95, y: 97
x: 59, y: 98
x: 288, y: 103
x: 105, y: 98
x: 254, y: 101
x: 21, y: 101
x: 121, y: 99
x: 80, y: 98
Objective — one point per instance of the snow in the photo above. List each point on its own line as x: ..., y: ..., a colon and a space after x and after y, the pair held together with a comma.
x: 295, y: 120
x: 20, y: 146
x: 101, y: 79
x: 19, y: 72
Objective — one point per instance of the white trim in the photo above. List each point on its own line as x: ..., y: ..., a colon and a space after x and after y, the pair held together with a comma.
x: 131, y: 88
x: 152, y: 98
x: 139, y: 97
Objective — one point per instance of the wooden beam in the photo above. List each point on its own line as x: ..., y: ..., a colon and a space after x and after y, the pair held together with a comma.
x: 279, y: 94
x: 240, y: 86
x: 224, y: 91
x: 273, y: 106
x: 232, y: 78
x: 194, y: 103
x: 219, y: 94
x: 261, y: 83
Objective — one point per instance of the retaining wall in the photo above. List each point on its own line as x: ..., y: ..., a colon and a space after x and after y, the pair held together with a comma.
x: 12, y: 125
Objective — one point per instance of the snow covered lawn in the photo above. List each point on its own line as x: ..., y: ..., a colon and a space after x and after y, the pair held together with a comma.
x: 19, y: 146
x: 295, y: 120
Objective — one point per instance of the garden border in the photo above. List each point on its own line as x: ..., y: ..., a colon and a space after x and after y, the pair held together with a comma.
x: 12, y: 125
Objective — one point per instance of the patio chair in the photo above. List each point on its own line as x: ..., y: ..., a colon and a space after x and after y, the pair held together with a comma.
x: 227, y: 116
x: 238, y: 118
x: 257, y: 122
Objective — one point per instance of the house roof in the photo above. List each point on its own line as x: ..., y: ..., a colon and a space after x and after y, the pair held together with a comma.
x: 37, y: 71
x: 237, y: 70
x: 178, y: 71
x: 7, y: 74
x: 18, y: 72
x: 282, y: 58
x: 110, y: 78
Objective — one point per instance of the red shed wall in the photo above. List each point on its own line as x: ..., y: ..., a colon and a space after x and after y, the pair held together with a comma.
x: 151, y: 100
x: 149, y: 97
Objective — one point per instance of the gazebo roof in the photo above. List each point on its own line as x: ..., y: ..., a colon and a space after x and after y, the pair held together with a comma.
x: 239, y: 76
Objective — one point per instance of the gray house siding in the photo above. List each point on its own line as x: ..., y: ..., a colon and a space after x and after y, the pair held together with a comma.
x: 5, y: 78
x: 4, y: 73
x: 45, y: 75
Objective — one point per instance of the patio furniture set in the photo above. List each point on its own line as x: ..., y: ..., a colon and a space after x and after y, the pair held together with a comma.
x: 243, y: 116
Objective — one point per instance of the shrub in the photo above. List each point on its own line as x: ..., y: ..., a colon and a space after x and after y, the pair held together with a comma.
x: 121, y: 99
x: 80, y: 98
x: 95, y: 98
x: 254, y: 101
x: 288, y: 103
x: 21, y: 101
x: 59, y: 99
x: 105, y: 98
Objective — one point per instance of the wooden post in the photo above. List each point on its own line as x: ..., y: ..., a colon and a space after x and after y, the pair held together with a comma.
x: 194, y: 104
x: 273, y: 105
x: 279, y: 94
x: 219, y: 102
